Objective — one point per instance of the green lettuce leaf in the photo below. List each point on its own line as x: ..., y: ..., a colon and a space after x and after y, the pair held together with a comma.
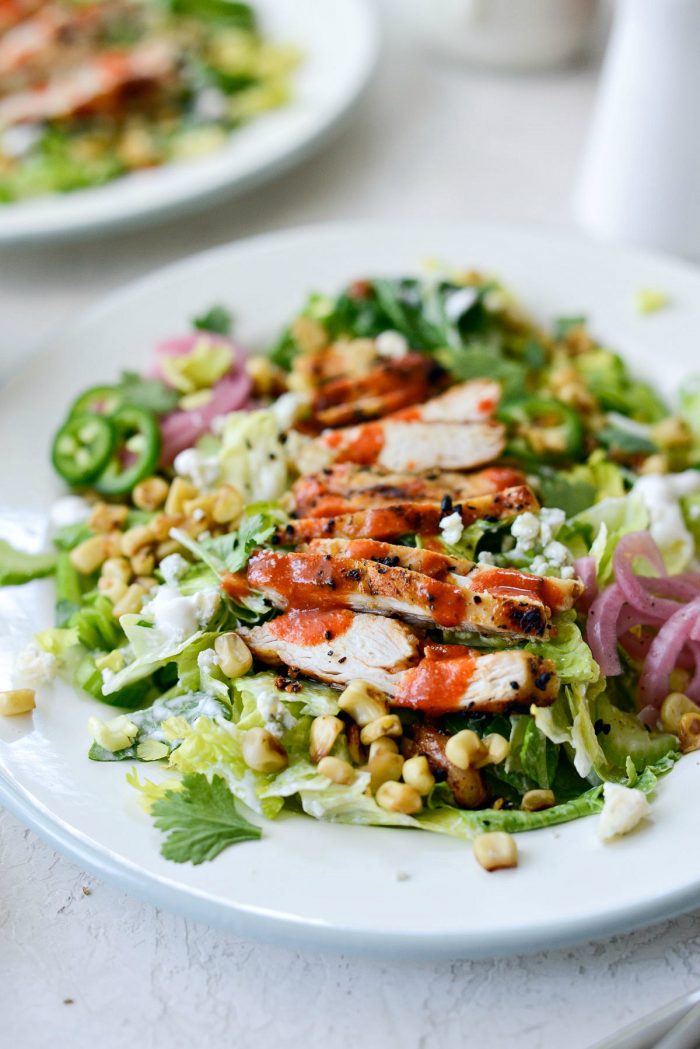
x: 149, y: 722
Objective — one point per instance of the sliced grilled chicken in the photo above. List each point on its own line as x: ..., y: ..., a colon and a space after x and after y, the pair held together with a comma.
x: 343, y: 360
x: 12, y: 12
x: 392, y: 521
x: 320, y: 581
x: 413, y: 446
x: 387, y: 387
x: 97, y: 85
x: 337, y: 646
x: 345, y: 487
x: 429, y: 562
x: 451, y: 678
x: 473, y: 401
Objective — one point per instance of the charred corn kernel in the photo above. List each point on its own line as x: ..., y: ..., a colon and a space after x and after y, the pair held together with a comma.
x: 497, y: 749
x: 146, y: 581
x: 465, y: 749
x: 116, y: 568
x: 383, y: 743
x: 143, y: 562
x: 655, y: 464
x: 536, y: 800
x: 152, y: 750
x: 689, y: 732
x: 151, y: 493
x: 200, y: 507
x: 228, y: 505
x: 383, y: 767
x: 161, y: 526
x: 416, y: 772
x: 235, y: 658
x: 113, y: 545
x: 673, y: 708
x: 309, y: 335
x: 355, y: 748
x: 337, y: 770
x: 194, y: 526
x: 116, y: 734
x: 89, y: 555
x: 17, y: 701
x: 180, y: 492
x: 167, y: 547
x: 112, y: 587
x: 496, y: 851
x: 387, y: 725
x: 132, y: 601
x: 399, y: 797
x: 363, y: 702
x: 267, y: 379
x: 671, y: 433
x: 103, y: 517
x: 262, y: 752
x: 135, y: 539
x: 324, y: 732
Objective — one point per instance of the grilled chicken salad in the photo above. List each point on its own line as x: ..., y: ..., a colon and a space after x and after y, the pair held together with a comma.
x: 90, y: 91
x: 423, y: 564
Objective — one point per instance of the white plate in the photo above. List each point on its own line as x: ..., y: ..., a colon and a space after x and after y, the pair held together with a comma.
x: 339, y: 41
x: 331, y: 885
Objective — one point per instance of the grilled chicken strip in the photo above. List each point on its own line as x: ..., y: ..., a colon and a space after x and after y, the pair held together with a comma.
x: 393, y: 521
x: 336, y: 646
x: 97, y: 85
x: 414, y: 446
x: 12, y: 12
x: 316, y: 581
x: 473, y: 401
x: 341, y: 646
x: 388, y: 387
x: 429, y: 562
x: 454, y: 678
x: 346, y: 487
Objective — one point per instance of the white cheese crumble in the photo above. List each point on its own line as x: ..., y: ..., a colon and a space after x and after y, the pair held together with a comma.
x: 452, y: 528
x: 660, y: 494
x: 201, y: 469
x: 177, y: 616
x: 486, y: 558
x: 288, y: 408
x: 391, y: 345
x: 525, y: 530
x: 33, y: 666
x: 173, y: 567
x: 207, y: 660
x: 69, y: 510
x: 624, y: 808
x: 536, y: 532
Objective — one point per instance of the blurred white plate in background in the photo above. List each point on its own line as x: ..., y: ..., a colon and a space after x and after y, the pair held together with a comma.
x: 329, y: 885
x: 339, y: 42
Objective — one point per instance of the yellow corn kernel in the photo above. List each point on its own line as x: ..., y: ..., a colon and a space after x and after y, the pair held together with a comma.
x: 104, y: 517
x: 167, y: 547
x: 234, y: 656
x: 383, y: 767
x: 535, y: 800
x: 363, y: 702
x: 146, y: 581
x: 116, y: 568
x: 180, y: 491
x: 143, y: 562
x: 497, y: 749
x: 262, y: 752
x: 266, y: 377
x: 200, y: 507
x: 151, y: 493
x: 673, y: 708
x: 17, y: 701
x: 399, y: 797
x: 228, y: 505
x: 131, y: 602
x: 689, y: 732
x: 387, y: 725
x: 112, y: 587
x: 465, y: 749
x: 161, y: 526
x: 496, y: 850
x: 383, y: 743
x: 337, y: 770
x: 135, y: 539
x: 416, y: 772
x: 324, y: 732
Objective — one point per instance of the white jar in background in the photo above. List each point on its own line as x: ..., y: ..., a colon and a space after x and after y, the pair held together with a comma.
x: 509, y: 35
x: 640, y: 180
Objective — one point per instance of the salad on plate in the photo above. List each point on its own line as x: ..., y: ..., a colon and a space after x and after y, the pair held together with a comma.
x: 424, y: 563
x: 90, y: 91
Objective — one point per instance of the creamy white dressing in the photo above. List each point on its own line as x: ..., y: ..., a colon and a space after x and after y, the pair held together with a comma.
x: 178, y: 616
x: 660, y: 494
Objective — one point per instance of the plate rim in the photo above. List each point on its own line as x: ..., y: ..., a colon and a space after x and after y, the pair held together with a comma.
x: 266, y: 924
x: 223, y: 187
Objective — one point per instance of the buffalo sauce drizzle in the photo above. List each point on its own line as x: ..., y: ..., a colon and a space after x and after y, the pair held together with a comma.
x: 512, y: 583
x: 362, y: 445
x: 439, y: 682
x: 311, y: 626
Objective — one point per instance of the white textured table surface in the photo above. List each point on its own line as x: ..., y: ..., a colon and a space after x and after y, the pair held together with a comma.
x: 83, y: 964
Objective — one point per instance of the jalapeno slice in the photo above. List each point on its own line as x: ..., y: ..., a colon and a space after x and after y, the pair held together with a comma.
x: 102, y: 400
x: 82, y: 448
x: 543, y: 429
x: 136, y: 453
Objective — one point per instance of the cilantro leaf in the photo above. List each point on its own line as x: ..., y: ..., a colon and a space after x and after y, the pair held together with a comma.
x: 201, y: 820
x: 217, y: 319
x: 151, y: 394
